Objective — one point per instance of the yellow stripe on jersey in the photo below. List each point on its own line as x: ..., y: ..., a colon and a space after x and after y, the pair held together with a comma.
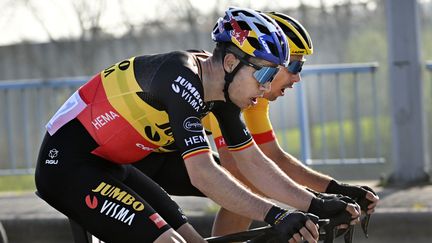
x: 257, y: 121
x: 242, y: 146
x: 187, y: 154
x: 121, y: 87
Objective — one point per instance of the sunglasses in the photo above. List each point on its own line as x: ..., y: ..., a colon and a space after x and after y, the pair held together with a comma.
x: 295, y: 67
x: 262, y: 74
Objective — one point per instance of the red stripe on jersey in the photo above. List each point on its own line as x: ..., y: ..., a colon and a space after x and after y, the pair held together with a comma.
x: 264, y: 137
x: 220, y: 142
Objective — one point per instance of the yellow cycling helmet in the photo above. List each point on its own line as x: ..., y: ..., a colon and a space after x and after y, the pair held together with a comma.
x: 299, y: 40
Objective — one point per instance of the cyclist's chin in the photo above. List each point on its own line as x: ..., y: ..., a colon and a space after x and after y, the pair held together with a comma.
x: 243, y: 104
x: 270, y: 96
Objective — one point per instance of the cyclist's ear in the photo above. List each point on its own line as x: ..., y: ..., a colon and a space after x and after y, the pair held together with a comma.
x: 230, y: 62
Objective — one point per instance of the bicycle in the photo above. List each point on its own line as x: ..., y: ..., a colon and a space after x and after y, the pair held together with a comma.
x: 258, y: 235
x: 327, y: 233
x: 327, y: 230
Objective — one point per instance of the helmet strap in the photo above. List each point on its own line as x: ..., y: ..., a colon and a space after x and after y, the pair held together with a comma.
x: 228, y: 80
x: 229, y: 76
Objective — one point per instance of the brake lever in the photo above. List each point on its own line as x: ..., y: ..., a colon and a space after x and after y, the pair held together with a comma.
x: 364, y: 222
x: 330, y: 229
x: 349, y: 235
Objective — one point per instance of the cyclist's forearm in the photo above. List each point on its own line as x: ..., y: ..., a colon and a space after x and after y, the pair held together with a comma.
x: 303, y: 174
x: 270, y: 179
x: 225, y: 190
x: 294, y: 168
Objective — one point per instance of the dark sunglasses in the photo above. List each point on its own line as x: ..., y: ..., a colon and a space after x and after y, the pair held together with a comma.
x: 262, y: 74
x: 295, y: 67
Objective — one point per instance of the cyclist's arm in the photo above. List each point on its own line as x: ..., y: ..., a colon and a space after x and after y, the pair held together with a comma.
x: 258, y: 122
x: 224, y: 189
x: 295, y: 168
x: 267, y: 177
x: 188, y: 134
x: 260, y: 171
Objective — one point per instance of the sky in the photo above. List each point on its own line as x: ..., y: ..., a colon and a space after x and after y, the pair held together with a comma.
x: 21, y: 19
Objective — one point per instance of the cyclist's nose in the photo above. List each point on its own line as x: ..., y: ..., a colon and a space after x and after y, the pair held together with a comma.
x: 296, y: 78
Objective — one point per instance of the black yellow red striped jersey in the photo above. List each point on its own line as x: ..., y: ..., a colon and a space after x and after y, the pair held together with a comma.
x: 257, y: 122
x: 151, y: 103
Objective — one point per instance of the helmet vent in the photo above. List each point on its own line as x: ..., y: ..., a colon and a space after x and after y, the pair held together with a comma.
x: 263, y: 29
x: 243, y: 25
x: 293, y: 37
x: 272, y: 47
x: 246, y: 13
x: 227, y: 26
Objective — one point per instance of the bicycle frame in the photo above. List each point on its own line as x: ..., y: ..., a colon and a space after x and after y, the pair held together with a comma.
x: 259, y: 235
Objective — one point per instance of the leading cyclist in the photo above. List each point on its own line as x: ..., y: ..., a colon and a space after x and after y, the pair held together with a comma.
x: 145, y: 104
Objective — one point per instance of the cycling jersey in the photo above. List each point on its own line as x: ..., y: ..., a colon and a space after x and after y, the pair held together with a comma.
x: 257, y: 121
x: 139, y: 107
x: 123, y: 115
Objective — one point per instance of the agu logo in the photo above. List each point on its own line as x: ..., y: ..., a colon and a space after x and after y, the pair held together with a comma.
x: 53, y: 153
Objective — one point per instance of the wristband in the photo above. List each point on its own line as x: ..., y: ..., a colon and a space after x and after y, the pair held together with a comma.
x: 275, y: 214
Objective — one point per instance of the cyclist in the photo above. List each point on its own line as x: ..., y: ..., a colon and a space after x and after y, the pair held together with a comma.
x: 146, y: 104
x: 258, y: 123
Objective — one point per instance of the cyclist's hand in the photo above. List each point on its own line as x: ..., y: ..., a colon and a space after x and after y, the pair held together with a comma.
x: 293, y: 226
x: 309, y: 233
x: 342, y: 208
x: 363, y: 195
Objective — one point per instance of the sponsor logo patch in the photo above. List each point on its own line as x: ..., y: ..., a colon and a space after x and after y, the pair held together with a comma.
x: 194, y: 140
x: 110, y: 191
x: 53, y: 153
x: 111, y: 209
x: 188, y: 92
x: 192, y: 124
x: 91, y: 202
x: 158, y: 220
x: 239, y: 34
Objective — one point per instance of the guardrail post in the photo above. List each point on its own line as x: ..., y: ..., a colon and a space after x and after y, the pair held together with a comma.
x: 408, y: 127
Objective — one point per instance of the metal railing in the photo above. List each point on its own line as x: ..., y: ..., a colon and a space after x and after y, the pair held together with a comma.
x: 429, y: 65
x: 312, y: 99
x: 428, y: 106
x: 28, y: 104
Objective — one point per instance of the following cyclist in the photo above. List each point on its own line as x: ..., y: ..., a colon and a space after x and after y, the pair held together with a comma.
x: 147, y: 104
x: 258, y: 123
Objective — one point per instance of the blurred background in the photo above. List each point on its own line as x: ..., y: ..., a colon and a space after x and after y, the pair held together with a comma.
x: 339, y: 119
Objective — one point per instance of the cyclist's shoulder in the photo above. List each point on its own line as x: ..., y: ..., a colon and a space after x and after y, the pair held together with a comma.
x: 173, y: 57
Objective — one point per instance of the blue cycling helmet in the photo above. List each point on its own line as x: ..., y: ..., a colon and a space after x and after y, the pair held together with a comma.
x: 256, y: 34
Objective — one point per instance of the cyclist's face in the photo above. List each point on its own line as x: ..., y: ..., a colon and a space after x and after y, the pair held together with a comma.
x: 245, y: 88
x: 283, y: 79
